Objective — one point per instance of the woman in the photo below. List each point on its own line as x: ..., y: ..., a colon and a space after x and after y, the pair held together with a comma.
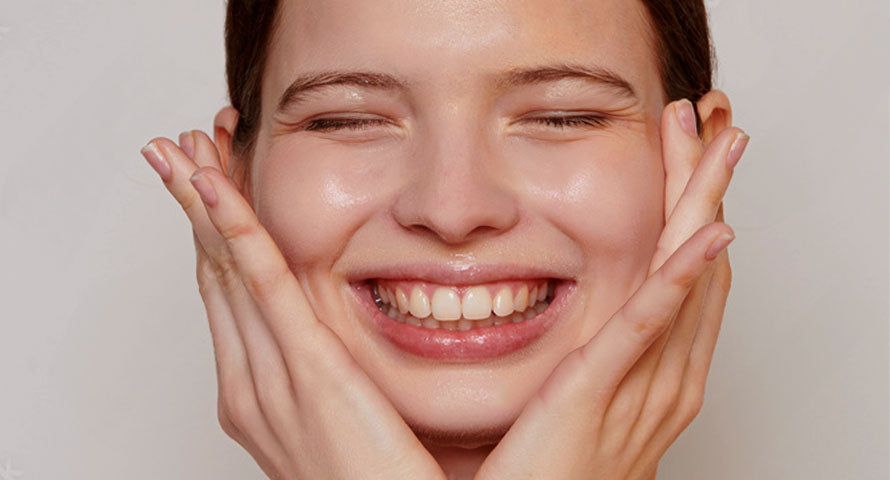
x: 461, y: 239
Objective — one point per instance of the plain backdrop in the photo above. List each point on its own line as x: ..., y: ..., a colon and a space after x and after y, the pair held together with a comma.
x: 106, y: 364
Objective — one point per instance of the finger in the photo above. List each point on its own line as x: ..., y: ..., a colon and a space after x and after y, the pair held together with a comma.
x: 662, y: 393
x: 701, y: 199
x: 275, y: 396
x: 206, y: 152
x: 702, y: 350
x: 179, y: 168
x: 646, y: 380
x: 261, y: 266
x: 238, y: 408
x: 691, y: 396
x: 681, y: 149
x: 623, y: 339
x: 264, y: 363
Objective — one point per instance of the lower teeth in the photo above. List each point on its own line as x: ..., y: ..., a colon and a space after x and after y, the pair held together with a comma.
x: 464, y: 324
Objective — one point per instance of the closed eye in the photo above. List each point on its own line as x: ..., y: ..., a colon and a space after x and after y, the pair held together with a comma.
x: 558, y: 122
x: 572, y: 121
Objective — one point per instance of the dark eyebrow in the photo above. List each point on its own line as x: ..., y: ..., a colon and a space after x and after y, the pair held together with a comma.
x: 297, y: 90
x: 595, y: 74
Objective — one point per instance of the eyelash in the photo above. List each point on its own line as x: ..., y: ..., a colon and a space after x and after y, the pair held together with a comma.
x: 329, y: 124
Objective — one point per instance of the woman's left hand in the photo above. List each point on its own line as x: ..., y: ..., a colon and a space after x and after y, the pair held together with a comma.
x: 613, y: 406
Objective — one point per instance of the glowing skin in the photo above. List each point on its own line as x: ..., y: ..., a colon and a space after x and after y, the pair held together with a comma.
x: 457, y: 177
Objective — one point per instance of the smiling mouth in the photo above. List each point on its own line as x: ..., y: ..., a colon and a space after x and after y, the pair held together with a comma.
x: 462, y: 308
x: 462, y: 323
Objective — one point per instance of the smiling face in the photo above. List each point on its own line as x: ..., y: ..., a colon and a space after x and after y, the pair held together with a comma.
x: 450, y: 149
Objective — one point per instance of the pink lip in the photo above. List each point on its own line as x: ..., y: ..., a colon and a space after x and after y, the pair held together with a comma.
x: 456, y: 273
x: 464, y: 346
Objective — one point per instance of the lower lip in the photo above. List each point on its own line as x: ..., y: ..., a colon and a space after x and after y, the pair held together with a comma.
x: 470, y: 345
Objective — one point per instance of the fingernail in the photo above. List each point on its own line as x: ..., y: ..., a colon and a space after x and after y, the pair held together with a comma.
x: 187, y: 143
x: 205, y: 188
x: 157, y: 161
x: 736, y: 150
x: 686, y: 116
x: 718, y: 245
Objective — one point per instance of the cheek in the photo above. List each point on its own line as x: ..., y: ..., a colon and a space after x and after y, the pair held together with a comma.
x: 312, y: 200
x: 608, y: 194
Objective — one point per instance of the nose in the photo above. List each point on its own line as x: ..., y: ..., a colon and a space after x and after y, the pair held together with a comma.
x: 457, y: 190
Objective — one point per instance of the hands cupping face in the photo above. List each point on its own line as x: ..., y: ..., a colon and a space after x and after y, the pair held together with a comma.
x: 618, y: 402
x: 292, y: 395
x: 289, y: 391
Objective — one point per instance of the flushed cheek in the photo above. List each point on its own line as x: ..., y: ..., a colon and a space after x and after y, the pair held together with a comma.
x: 312, y: 202
x: 607, y: 195
x: 609, y: 199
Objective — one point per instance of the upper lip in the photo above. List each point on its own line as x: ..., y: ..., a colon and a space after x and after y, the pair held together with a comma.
x: 456, y: 273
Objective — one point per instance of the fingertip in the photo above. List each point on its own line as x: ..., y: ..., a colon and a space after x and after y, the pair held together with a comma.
x: 204, y: 185
x: 685, y: 114
x: 157, y: 160
x: 187, y: 144
x: 725, y: 236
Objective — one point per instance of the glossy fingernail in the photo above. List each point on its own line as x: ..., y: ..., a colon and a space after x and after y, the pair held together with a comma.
x: 686, y: 116
x: 718, y: 245
x: 187, y: 143
x: 736, y: 150
x: 157, y: 161
x: 205, y: 188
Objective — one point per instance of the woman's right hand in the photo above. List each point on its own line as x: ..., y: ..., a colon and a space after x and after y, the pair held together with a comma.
x: 289, y: 390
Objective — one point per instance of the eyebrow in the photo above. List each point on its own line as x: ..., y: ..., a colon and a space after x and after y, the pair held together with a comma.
x: 297, y: 91
x: 304, y: 84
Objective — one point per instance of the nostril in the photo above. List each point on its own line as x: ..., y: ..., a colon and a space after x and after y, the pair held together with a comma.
x: 454, y: 234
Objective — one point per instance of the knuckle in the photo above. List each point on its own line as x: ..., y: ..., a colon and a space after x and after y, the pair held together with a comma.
x: 714, y: 194
x: 237, y: 231
x: 226, y: 424
x: 273, y: 391
x: 238, y: 406
x: 646, y: 325
x: 266, y: 285
x: 220, y: 272
x: 680, y: 277
x: 692, y: 404
x: 664, y: 402
x: 188, y: 200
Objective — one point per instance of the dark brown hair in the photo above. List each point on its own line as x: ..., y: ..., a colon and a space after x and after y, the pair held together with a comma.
x: 682, y: 43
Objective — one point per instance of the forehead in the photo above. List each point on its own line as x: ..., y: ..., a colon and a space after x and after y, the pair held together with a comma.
x: 456, y: 42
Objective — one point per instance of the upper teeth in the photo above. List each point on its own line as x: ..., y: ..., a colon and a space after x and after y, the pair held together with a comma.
x: 477, y: 302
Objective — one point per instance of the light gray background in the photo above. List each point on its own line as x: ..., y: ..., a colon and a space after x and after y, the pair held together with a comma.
x: 106, y: 365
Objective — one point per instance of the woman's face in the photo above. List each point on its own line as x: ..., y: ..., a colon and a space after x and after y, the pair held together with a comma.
x: 455, y: 179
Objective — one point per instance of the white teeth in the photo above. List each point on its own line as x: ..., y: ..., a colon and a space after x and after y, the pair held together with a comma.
x: 502, y: 305
x: 446, y: 304
x: 520, y: 302
x: 476, y: 304
x: 419, y: 306
x: 448, y: 311
x: 402, y: 301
